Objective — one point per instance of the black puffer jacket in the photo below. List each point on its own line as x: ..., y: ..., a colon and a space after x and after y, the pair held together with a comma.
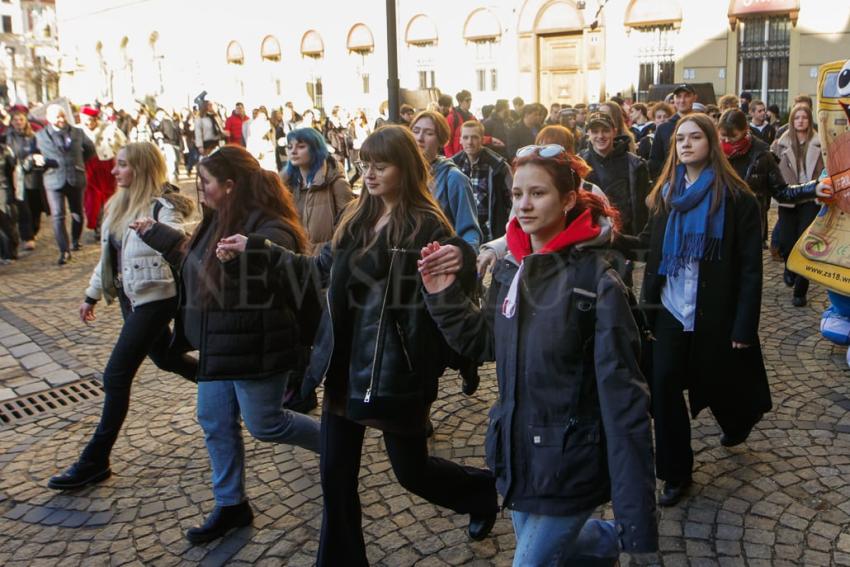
x: 624, y: 178
x: 252, y: 331
x: 571, y: 428
x: 396, y: 353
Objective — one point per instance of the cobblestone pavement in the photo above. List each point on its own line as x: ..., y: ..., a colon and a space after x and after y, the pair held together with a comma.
x: 782, y: 499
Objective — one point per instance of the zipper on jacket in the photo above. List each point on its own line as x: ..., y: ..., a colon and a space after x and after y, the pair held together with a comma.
x: 331, y: 318
x: 368, y: 395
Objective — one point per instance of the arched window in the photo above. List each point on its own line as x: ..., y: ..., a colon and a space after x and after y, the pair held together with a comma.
x: 270, y: 49
x: 421, y: 31
x: 360, y: 39
x: 482, y: 31
x: 482, y: 25
x: 235, y: 55
x: 312, y: 45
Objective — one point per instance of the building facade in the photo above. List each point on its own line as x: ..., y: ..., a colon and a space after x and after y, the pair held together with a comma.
x: 328, y: 53
x: 29, y: 54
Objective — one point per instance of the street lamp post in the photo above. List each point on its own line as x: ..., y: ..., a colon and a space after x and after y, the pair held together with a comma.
x: 392, y: 63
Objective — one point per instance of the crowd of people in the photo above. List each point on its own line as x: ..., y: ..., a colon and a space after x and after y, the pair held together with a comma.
x: 369, y: 257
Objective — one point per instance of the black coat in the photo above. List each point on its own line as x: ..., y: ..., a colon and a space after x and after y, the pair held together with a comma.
x: 629, y: 199
x: 496, y: 127
x: 661, y: 146
x: 252, y: 330
x: 728, y: 306
x: 571, y: 427
x: 518, y: 137
x: 391, y: 362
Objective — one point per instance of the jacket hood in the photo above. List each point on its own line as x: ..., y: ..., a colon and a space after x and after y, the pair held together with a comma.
x: 602, y: 240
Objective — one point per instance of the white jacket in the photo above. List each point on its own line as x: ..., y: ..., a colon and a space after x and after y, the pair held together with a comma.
x: 146, y: 276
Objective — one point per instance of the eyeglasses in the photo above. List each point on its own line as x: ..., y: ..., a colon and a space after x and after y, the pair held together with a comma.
x: 547, y: 152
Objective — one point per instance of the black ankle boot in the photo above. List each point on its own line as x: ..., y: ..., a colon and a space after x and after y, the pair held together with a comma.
x: 481, y: 525
x: 220, y: 520
x: 80, y: 474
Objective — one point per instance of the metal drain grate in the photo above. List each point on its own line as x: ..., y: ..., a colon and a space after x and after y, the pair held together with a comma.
x: 34, y: 405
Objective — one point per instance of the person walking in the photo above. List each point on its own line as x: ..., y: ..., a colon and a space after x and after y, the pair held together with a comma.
x: 449, y: 186
x: 377, y: 349
x: 702, y: 292
x: 800, y: 161
x: 209, y: 129
x: 142, y: 282
x: 107, y: 139
x: 571, y: 426
x: 29, y: 172
x: 684, y: 97
x: 317, y: 183
x: 66, y: 149
x: 252, y: 334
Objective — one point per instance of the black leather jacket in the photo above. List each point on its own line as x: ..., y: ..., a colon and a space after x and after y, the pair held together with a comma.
x: 396, y: 352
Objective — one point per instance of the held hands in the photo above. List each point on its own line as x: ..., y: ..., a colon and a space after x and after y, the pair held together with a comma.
x: 485, y: 262
x: 87, y: 313
x: 497, y: 143
x: 438, y: 266
x: 824, y: 190
x: 230, y: 247
x: 142, y: 225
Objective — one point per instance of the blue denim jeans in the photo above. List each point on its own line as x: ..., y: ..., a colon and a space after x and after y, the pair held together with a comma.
x: 260, y: 404
x: 550, y: 541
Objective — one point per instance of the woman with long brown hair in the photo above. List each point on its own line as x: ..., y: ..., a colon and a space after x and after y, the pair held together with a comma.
x: 800, y: 161
x: 702, y: 291
x: 377, y: 349
x: 252, y: 333
x: 615, y: 111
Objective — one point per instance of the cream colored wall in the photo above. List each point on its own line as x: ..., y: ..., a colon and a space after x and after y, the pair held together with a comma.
x: 194, y: 36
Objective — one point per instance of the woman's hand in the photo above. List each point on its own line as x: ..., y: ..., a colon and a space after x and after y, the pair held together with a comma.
x: 142, y: 225
x: 736, y: 345
x: 446, y: 259
x: 485, y: 262
x: 433, y: 282
x: 230, y: 247
x: 823, y: 190
x: 87, y: 312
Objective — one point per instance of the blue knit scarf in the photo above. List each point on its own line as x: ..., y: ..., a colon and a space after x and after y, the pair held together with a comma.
x: 693, y: 233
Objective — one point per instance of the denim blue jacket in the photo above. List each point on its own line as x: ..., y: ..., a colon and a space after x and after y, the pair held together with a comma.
x: 453, y: 191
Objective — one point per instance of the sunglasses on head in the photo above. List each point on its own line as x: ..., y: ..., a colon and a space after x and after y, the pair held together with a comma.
x: 547, y: 152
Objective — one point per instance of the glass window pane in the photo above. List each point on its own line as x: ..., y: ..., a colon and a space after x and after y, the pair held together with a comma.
x: 494, y: 79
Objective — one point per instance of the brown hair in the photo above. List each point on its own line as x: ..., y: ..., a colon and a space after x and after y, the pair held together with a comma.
x: 440, y: 124
x: 728, y: 101
x: 27, y: 126
x: 725, y: 178
x: 395, y: 145
x: 799, y: 154
x: 662, y: 106
x: 616, y: 114
x: 253, y: 189
x: 733, y: 119
x: 474, y: 124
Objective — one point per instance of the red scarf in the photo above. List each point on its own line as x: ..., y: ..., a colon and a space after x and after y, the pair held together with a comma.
x: 580, y: 230
x: 738, y: 148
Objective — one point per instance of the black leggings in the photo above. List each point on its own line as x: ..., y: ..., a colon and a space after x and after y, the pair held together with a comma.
x: 466, y: 490
x: 793, y: 222
x: 145, y: 333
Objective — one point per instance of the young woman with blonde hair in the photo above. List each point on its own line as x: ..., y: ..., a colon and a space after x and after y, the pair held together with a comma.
x: 142, y: 282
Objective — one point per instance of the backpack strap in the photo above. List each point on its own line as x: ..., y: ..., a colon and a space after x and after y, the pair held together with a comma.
x: 157, y: 206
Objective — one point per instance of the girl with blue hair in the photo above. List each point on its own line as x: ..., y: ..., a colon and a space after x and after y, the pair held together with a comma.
x: 318, y: 184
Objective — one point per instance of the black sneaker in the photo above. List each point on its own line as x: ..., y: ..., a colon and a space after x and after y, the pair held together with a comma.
x: 220, y: 521
x: 80, y: 474
x: 481, y: 525
x: 469, y: 374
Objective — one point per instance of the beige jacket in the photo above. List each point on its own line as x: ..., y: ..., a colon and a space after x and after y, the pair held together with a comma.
x: 321, y: 204
x: 145, y: 275
x: 813, y: 165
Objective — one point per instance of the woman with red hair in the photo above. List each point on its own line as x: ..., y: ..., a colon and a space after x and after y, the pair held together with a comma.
x: 571, y: 426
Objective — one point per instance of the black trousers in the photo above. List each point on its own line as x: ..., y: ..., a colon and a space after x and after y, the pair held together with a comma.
x: 466, y: 490
x: 793, y: 221
x: 30, y: 211
x: 145, y: 333
x: 674, y: 458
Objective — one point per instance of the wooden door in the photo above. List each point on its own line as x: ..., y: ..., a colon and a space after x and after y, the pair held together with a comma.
x: 560, y: 76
